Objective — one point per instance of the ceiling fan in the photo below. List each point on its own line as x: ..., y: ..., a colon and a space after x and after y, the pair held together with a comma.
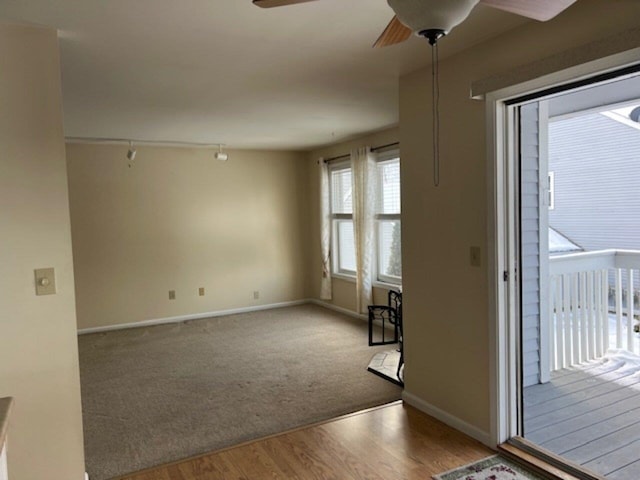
x: 433, y: 19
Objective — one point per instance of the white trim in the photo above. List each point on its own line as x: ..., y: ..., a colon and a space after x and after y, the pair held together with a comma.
x: 498, y: 262
x: 194, y: 316
x: 338, y: 309
x: 451, y: 420
x: 503, y: 384
x: 86, y: 476
x: 545, y: 203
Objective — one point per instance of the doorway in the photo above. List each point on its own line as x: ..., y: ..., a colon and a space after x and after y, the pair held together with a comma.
x: 571, y: 349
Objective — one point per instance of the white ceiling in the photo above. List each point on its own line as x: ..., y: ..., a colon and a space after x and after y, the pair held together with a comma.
x: 225, y: 71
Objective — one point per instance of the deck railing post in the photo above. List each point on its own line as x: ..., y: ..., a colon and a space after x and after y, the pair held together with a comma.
x: 618, y: 308
x: 591, y: 331
x: 599, y: 316
x: 575, y: 319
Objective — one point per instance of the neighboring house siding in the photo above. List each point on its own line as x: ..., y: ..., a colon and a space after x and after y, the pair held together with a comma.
x: 596, y: 161
x: 530, y: 239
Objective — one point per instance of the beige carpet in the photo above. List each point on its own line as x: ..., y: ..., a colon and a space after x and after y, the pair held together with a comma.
x: 157, y: 394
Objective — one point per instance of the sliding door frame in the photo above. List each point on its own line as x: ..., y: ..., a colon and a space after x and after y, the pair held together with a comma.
x: 502, y: 208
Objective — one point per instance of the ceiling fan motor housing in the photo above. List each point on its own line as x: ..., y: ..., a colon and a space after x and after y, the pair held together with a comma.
x: 424, y: 15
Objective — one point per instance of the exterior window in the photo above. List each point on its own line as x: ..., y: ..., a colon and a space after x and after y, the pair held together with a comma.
x: 344, y: 254
x: 387, y: 255
x: 388, y: 219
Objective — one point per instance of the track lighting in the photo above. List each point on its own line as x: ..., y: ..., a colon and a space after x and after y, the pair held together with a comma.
x: 635, y: 114
x: 220, y: 155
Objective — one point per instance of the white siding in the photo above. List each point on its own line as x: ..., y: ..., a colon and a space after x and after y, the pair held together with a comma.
x: 596, y: 161
x: 530, y: 243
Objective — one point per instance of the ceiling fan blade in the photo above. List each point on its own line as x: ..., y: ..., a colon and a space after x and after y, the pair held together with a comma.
x: 395, y: 32
x: 541, y: 10
x: 277, y: 3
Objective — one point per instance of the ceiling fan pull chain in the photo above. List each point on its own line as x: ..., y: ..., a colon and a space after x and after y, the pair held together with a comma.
x: 435, y: 93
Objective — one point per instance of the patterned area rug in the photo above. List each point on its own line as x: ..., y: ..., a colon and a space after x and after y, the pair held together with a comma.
x: 385, y: 365
x: 490, y: 468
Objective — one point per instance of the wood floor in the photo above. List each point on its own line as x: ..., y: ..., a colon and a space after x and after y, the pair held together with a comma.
x: 591, y: 416
x: 391, y: 442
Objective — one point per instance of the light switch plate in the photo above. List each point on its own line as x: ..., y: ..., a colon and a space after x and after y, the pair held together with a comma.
x: 45, y: 281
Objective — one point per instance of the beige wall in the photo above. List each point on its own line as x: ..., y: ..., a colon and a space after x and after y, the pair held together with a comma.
x: 180, y: 220
x: 445, y: 299
x: 344, y: 291
x: 38, y: 346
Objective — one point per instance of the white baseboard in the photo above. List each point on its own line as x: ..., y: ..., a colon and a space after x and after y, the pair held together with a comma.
x: 451, y: 420
x: 336, y: 308
x: 195, y: 316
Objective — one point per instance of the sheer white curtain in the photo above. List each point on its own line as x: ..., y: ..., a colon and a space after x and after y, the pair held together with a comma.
x: 325, y: 231
x: 363, y: 175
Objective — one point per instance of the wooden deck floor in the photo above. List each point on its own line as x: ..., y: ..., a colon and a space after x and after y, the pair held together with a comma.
x: 591, y: 416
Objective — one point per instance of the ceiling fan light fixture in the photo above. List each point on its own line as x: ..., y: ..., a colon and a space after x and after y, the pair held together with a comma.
x: 433, y: 35
x: 424, y: 15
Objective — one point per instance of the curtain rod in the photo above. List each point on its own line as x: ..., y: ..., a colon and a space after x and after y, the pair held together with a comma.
x: 374, y: 149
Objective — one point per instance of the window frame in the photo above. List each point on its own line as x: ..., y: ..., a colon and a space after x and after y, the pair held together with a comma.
x: 336, y: 218
x: 386, y: 156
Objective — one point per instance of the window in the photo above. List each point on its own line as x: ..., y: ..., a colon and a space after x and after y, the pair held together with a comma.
x: 388, y: 219
x: 387, y: 255
x: 344, y: 253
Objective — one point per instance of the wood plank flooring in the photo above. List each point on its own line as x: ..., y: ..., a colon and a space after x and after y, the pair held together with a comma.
x: 391, y: 442
x: 591, y: 416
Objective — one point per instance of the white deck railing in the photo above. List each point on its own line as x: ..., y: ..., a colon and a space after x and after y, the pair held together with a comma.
x: 591, y: 303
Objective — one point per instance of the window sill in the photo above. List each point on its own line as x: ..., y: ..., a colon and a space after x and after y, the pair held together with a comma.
x: 387, y: 286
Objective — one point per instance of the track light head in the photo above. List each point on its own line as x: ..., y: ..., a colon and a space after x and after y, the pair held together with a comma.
x: 220, y: 155
x: 635, y: 114
x: 131, y: 153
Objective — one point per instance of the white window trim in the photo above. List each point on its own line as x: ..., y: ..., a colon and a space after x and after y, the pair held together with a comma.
x: 336, y: 272
x: 386, y: 281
